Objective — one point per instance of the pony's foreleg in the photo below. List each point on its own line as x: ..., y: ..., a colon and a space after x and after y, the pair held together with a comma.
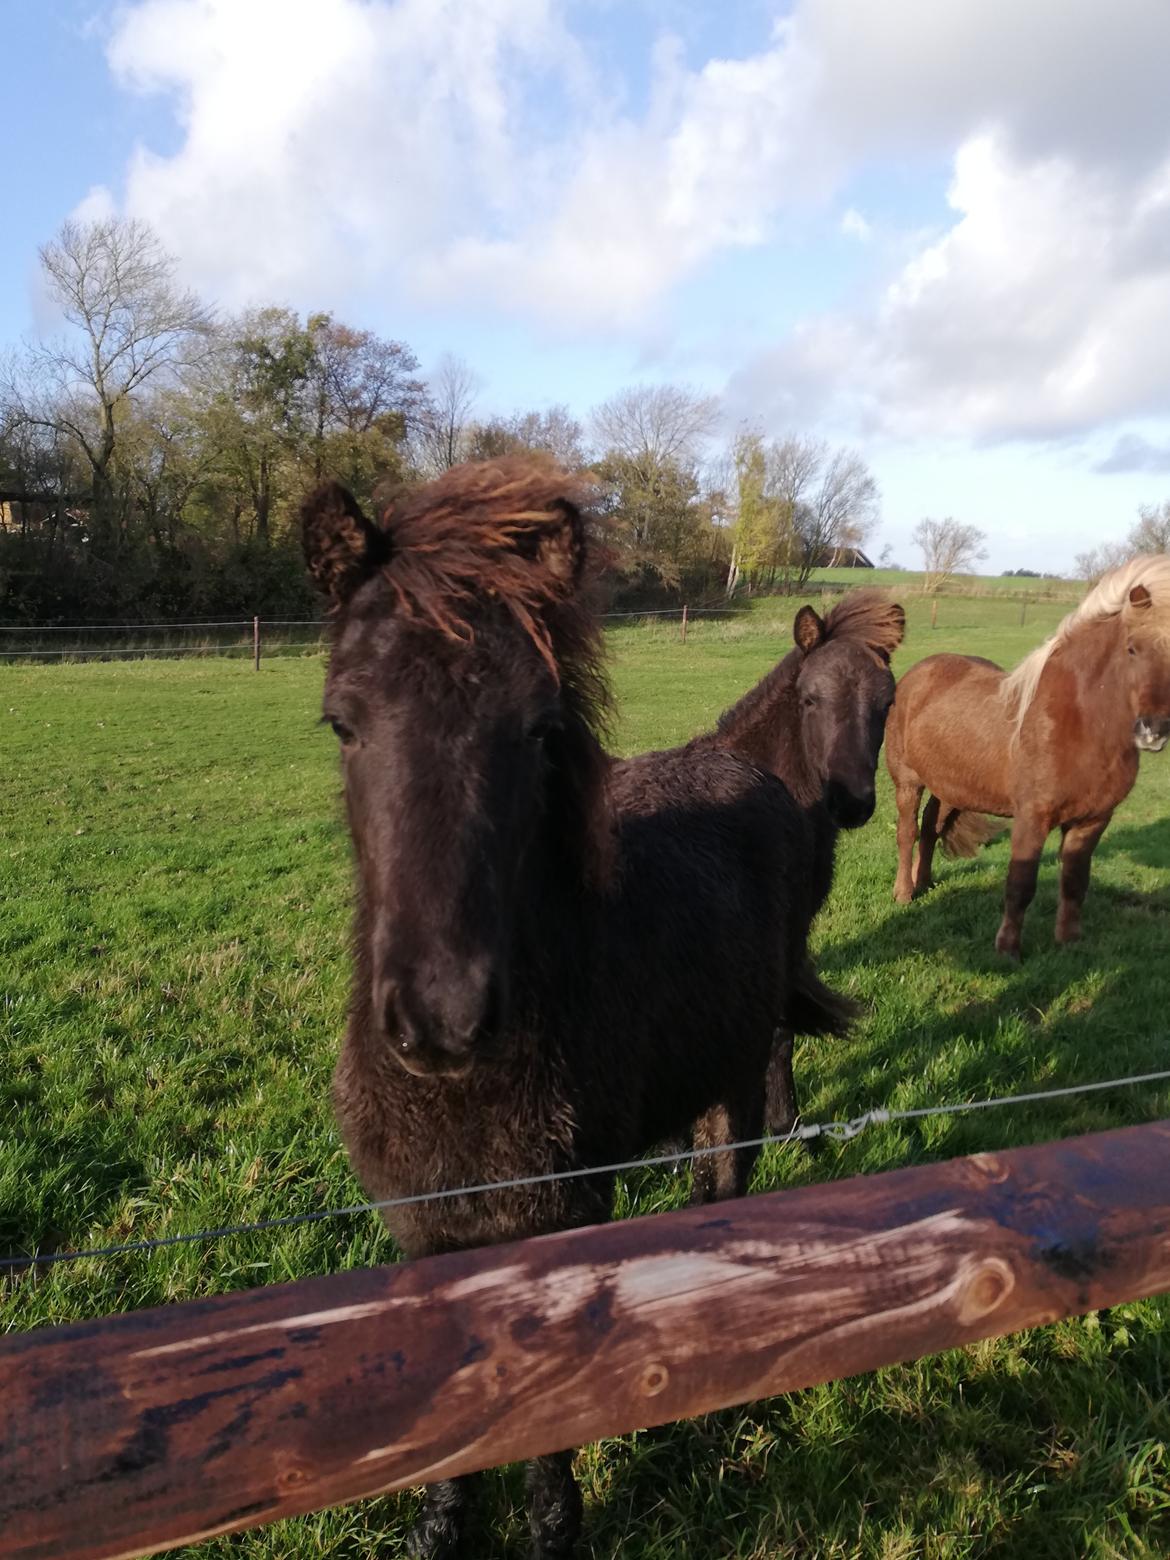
x: 908, y: 795
x: 438, y: 1533
x: 780, y: 1110
x: 927, y: 840
x: 1076, y: 858
x: 1028, y: 835
x: 726, y: 1173
x: 555, y: 1507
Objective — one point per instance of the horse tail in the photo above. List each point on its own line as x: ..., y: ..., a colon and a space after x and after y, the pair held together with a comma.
x: 814, y: 1009
x: 966, y: 833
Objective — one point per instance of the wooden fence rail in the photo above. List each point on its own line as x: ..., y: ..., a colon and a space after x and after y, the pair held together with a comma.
x: 150, y: 1429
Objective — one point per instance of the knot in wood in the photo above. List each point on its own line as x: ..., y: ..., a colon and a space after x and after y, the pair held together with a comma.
x: 654, y: 1379
x: 291, y: 1478
x: 985, y: 1289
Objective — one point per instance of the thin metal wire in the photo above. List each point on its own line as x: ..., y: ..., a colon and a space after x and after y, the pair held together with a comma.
x: 94, y: 628
x: 93, y: 652
x: 835, y: 1131
x: 692, y: 612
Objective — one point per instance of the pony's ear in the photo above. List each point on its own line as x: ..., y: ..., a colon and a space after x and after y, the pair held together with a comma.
x: 808, y: 630
x: 341, y: 546
x: 1140, y: 597
x: 897, y: 619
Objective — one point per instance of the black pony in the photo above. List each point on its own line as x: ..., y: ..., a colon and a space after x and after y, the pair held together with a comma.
x: 561, y: 960
x: 816, y: 721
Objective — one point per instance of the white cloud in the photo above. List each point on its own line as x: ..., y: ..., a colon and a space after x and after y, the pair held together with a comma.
x: 469, y: 155
x: 854, y: 225
x: 463, y: 152
x: 1042, y: 312
x: 336, y: 143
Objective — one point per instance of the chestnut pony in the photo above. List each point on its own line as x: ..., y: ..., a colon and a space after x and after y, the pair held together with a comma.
x: 1054, y: 743
x: 562, y: 959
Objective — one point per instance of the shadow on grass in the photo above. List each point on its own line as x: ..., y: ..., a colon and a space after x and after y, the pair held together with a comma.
x: 1044, y: 1462
x: 947, y: 1013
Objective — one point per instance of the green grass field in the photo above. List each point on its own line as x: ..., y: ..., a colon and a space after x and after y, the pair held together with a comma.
x: 911, y: 581
x: 173, y: 973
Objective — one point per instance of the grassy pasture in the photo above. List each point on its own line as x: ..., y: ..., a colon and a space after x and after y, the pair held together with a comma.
x: 174, y: 889
x: 963, y: 584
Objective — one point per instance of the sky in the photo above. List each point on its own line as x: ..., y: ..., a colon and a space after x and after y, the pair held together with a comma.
x: 938, y: 233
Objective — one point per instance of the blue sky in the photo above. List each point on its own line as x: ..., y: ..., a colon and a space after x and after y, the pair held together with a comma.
x: 940, y: 234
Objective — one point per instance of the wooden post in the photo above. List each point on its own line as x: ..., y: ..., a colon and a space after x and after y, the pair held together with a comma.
x: 1023, y: 609
x: 164, y: 1427
x: 683, y: 635
x: 256, y: 644
x: 934, y: 613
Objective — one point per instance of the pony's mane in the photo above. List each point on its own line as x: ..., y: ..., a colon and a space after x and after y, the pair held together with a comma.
x: 1109, y: 598
x: 870, y: 616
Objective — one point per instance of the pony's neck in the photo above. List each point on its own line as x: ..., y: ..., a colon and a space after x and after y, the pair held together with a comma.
x: 764, y: 727
x: 1098, y: 654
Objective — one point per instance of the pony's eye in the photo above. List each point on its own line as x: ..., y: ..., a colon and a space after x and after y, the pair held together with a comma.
x: 340, y: 730
x: 810, y: 701
x: 543, y: 728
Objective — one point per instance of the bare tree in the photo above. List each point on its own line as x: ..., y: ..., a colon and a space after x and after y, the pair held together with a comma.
x: 1090, y: 566
x: 129, y: 322
x: 839, y: 511
x: 441, y: 434
x: 1152, y: 532
x: 948, y: 548
x: 656, y: 426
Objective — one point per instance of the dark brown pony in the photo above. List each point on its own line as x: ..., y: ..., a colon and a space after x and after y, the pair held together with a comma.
x: 1054, y: 743
x: 561, y: 960
x: 817, y: 721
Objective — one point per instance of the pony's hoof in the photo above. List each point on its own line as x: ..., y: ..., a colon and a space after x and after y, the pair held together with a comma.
x: 1008, y: 947
x: 903, y: 896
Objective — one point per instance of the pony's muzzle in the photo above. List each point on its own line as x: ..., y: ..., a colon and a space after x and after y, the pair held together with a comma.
x: 1149, y: 735
x: 849, y: 808
x: 426, y: 1044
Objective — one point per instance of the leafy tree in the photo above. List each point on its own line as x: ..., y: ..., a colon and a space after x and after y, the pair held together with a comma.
x: 555, y: 431
x: 800, y: 504
x: 365, y: 401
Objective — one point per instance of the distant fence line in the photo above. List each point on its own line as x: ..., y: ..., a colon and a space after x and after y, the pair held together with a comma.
x: 234, y: 638
x: 256, y: 637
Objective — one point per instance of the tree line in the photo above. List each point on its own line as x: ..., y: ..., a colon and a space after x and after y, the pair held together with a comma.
x: 153, y: 454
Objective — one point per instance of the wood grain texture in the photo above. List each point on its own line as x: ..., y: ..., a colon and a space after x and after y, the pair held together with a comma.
x: 130, y: 1434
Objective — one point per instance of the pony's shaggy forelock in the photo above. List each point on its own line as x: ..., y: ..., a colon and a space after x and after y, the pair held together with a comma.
x: 513, y: 530
x: 1108, y: 599
x: 871, y: 616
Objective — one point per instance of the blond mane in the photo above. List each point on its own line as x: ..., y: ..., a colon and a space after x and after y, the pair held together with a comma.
x: 1108, y: 599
